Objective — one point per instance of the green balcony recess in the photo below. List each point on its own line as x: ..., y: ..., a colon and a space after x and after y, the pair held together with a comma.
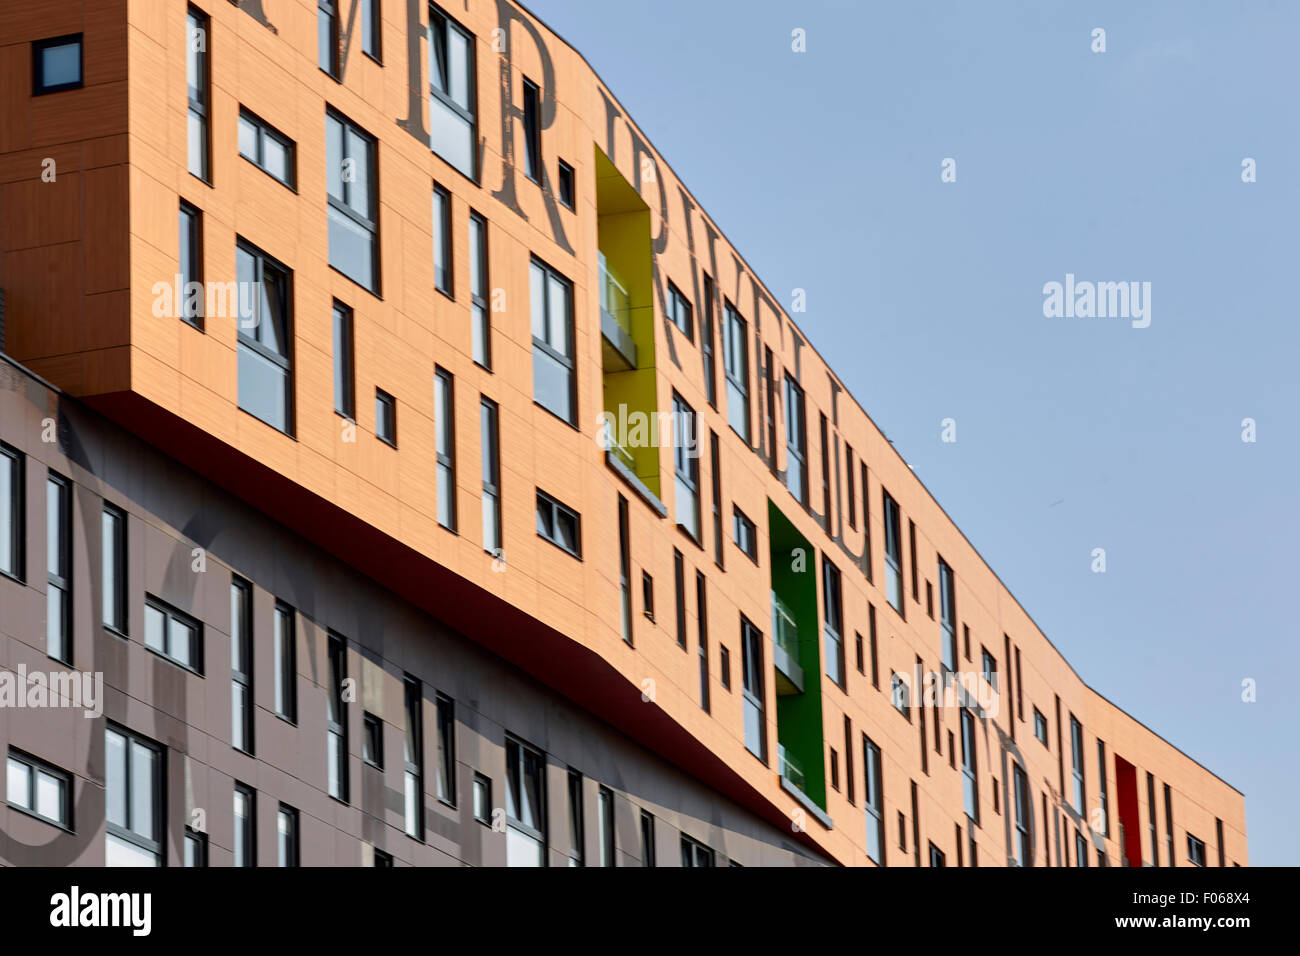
x: 796, y: 638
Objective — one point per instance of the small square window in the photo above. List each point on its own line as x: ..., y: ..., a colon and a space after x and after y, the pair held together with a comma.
x: 385, y: 417
x: 565, y: 178
x: 372, y: 741
x: 482, y: 799
x: 56, y: 64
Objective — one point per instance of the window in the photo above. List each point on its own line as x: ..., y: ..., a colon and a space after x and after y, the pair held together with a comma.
x: 13, y: 506
x: 327, y: 36
x: 724, y: 666
x: 481, y: 326
x: 265, y: 330
x: 848, y: 757
x: 679, y: 312
x: 353, y: 192
x: 113, y: 568
x: 1105, y: 794
x: 56, y: 64
x: 336, y: 719
x: 826, y: 474
x: 735, y: 357
x: 796, y: 441
x: 1169, y: 824
x: 701, y: 604
x: 624, y: 569
x: 577, y: 825
x: 902, y: 831
x: 444, y: 414
x: 605, y: 813
x: 345, y: 394
x: 875, y: 660
x: 874, y: 799
x: 647, y: 838
x: 989, y: 667
x: 1040, y: 727
x: 285, y: 652
x: 196, y: 848
x: 245, y: 805
x: 948, y: 615
x: 525, y: 805
x: 833, y: 606
x: 970, y: 778
x: 679, y: 590
x: 446, y: 714
x: 686, y: 468
x: 911, y: 542
x: 564, y: 178
x: 751, y: 648
x: 1080, y: 849
x: 901, y: 695
x: 266, y: 148
x: 372, y: 740
x: 241, y: 665
x: 559, y: 524
x: 287, y: 825
x: 383, y: 860
x: 490, y: 449
x: 1076, y: 754
x: 745, y: 534
x: 198, y: 80
x: 648, y: 596
x: 1024, y: 849
x: 551, y: 298
x: 1195, y: 850
x: 442, y: 245
x: 58, y: 552
x: 532, y: 131
x: 936, y: 856
x: 715, y: 472
x: 706, y: 345
x: 695, y: 853
x: 452, y: 123
x: 483, y: 799
x: 835, y: 769
x: 133, y: 797
x: 850, y: 485
x: 1151, y: 820
x: 39, y: 789
x: 173, y: 634
x: 893, y: 554
x: 371, y: 25
x: 190, y: 259
x: 385, y: 417
x: 413, y: 781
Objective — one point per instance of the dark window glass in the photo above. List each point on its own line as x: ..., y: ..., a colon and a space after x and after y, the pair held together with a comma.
x: 605, y: 813
x: 559, y: 524
x: 58, y: 554
x: 532, y: 131
x: 345, y: 395
x: 446, y: 714
x: 525, y: 805
x: 735, y: 355
x: 490, y: 450
x: 336, y: 720
x: 372, y: 740
x: 327, y: 36
x: 285, y: 654
x: 13, y: 506
x: 413, y: 744
x: 833, y: 605
x: 893, y: 554
x: 566, y: 184
x: 796, y: 441
x: 481, y: 325
x: 695, y: 853
x: 241, y: 665
x: 679, y: 312
x: 245, y: 809
x: 686, y: 468
x: 755, y: 720
x: 113, y: 571
x: 442, y: 244
x: 745, y: 533
x: 385, y: 417
x: 191, y: 308
x: 56, y: 64
x: 287, y: 833
x: 444, y: 415
x: 647, y: 838
x: 577, y: 825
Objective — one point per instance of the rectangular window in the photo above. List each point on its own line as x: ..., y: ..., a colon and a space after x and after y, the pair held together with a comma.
x: 901, y: 695
x: 647, y: 838
x: 353, y: 190
x: 327, y: 36
x: 706, y: 345
x: 1024, y: 849
x: 948, y: 615
x: 198, y: 81
x: 481, y: 325
x: 525, y: 804
x: 680, y: 313
x: 1040, y: 727
x: 745, y: 534
x: 1169, y: 825
x: 969, y: 769
x: 444, y: 414
x: 413, y: 750
x: 287, y: 831
x: 442, y: 245
x: 866, y: 519
x: 190, y: 260
x: 245, y: 809
x: 265, y: 338
x: 848, y: 757
x: 483, y: 799
x: 686, y: 468
x: 40, y: 789
x: 532, y: 131
x: 1020, y: 695
x: 679, y: 591
x: 554, y: 380
x: 936, y: 856
x: 490, y: 450
x: 452, y: 119
x: 893, y: 554
x: 565, y: 181
x: 13, y: 506
x: 605, y: 813
x: 58, y: 553
x: 695, y: 853
x: 701, y: 604
x: 1080, y: 849
x: 345, y: 395
x: 372, y: 740
x: 989, y: 667
x: 1152, y: 825
x: 911, y: 540
x: 577, y: 825
x: 1105, y: 791
x: 850, y: 485
x: 724, y: 667
x: 648, y: 596
x: 1195, y: 851
x: 173, y: 634
x: 385, y: 417
x: 133, y: 797
x: 559, y: 524
x: 715, y: 473
x: 1076, y: 754
x: 56, y: 64
x: 796, y: 441
x: 113, y: 558
x: 196, y: 848
x: 874, y: 799
x: 446, y: 715
x: 241, y: 665
x: 267, y: 148
x: 826, y: 472
x: 735, y: 357
x: 751, y: 648
x: 371, y: 25
x: 625, y: 569
x: 833, y: 607
x: 1218, y: 838
x: 875, y: 659
x: 336, y: 719
x: 285, y: 654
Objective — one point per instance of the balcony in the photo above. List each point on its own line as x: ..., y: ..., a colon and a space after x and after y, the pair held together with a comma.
x: 785, y: 650
x: 791, y: 771
x: 616, y: 321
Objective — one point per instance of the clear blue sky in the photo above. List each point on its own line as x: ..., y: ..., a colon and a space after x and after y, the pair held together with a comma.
x: 823, y: 168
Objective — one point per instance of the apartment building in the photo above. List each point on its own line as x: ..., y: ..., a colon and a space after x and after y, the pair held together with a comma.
x: 429, y: 480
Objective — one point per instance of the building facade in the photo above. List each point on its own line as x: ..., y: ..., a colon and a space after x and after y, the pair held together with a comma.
x: 428, y: 479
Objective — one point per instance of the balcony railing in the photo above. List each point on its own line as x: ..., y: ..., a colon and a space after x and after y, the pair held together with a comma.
x: 616, y: 320
x: 791, y: 770
x: 785, y: 650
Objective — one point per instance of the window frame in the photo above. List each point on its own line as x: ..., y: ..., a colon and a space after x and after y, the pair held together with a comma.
x: 479, y: 292
x: 368, y: 223
x: 577, y: 820
x: 519, y: 766
x: 700, y: 855
x: 556, y: 507
x: 606, y: 844
x: 15, y: 543
x: 172, y: 613
x: 385, y: 401
x: 445, y: 417
x: 735, y: 352
x: 443, y: 246
x: 833, y: 624
x: 199, y: 106
x: 686, y: 456
x: 490, y: 454
x: 244, y: 839
x: 753, y: 683
x: 35, y: 766
x: 288, y: 845
x: 327, y: 11
x: 241, y: 660
x: 284, y: 361
x: 372, y: 740
x: 893, y: 520
x: 123, y: 832
x: 284, y: 652
x: 59, y: 569
x: 262, y: 130
x: 445, y: 726
x: 345, y: 373
x: 119, y: 585
x: 39, y: 86
x: 566, y: 173
x: 741, y: 520
x: 873, y: 798
x: 469, y: 115
x: 192, y: 271
x: 569, y: 362
x: 531, y: 120
x: 413, y: 769
x: 336, y: 716
x: 680, y: 311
